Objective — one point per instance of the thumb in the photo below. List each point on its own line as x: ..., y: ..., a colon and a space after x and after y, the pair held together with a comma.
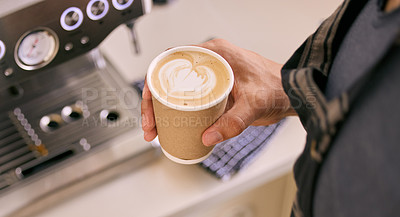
x: 229, y: 125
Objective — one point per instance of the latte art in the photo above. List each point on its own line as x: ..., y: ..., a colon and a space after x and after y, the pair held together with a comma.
x: 190, y: 78
x: 179, y: 79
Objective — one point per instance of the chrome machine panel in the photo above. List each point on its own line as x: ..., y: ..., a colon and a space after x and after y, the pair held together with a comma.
x: 61, y: 102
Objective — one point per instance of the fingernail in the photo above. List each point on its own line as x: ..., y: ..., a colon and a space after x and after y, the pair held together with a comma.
x: 212, y: 138
x: 143, y: 94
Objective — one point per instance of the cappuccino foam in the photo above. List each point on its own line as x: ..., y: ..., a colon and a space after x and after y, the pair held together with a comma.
x: 190, y: 78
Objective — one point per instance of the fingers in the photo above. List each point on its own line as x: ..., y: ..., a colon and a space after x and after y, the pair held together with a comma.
x: 148, y: 121
x: 150, y: 135
x: 229, y: 125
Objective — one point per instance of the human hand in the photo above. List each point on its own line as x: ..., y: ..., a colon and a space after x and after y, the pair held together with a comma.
x: 257, y: 97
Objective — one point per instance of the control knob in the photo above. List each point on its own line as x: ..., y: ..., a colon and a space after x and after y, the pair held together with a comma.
x: 51, y: 122
x: 71, y: 113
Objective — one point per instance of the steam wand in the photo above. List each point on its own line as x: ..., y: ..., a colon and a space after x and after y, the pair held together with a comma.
x: 134, y: 38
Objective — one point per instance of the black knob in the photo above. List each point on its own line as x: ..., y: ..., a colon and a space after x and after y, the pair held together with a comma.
x: 71, y: 18
x: 51, y: 122
x: 98, y: 8
x: 107, y: 115
x: 71, y: 113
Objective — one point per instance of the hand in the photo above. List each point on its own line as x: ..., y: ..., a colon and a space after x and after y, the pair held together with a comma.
x: 148, y: 120
x: 257, y: 97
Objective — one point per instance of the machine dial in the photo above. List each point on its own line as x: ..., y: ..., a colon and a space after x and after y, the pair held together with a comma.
x: 97, y: 9
x: 122, y: 4
x: 71, y: 18
x: 36, y: 49
x: 2, y: 50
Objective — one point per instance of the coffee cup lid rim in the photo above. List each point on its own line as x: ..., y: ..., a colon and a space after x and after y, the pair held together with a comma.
x: 188, y: 48
x: 181, y: 161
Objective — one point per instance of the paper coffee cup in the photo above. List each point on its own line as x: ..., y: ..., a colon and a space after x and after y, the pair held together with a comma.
x: 179, y: 127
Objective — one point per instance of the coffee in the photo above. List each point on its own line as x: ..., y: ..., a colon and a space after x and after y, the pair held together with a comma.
x: 190, y: 78
x: 190, y: 87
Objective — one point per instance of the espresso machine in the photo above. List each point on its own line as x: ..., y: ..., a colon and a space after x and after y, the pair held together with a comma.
x: 68, y: 120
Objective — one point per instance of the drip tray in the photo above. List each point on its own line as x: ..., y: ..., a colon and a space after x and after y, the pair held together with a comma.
x: 78, y: 174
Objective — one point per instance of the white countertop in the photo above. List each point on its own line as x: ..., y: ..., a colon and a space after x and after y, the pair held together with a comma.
x: 163, y: 188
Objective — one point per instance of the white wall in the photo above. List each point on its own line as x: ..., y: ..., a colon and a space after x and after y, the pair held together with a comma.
x: 273, y: 28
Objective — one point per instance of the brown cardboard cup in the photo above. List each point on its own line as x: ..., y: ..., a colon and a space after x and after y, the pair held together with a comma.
x: 180, y: 128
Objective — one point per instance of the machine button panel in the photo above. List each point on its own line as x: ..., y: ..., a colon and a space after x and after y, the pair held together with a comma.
x: 121, y: 4
x: 97, y: 9
x: 71, y: 18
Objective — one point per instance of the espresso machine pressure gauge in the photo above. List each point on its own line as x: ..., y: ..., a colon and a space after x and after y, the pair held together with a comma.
x: 36, y: 49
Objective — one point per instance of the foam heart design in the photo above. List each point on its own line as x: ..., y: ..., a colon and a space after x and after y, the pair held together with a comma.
x: 179, y: 79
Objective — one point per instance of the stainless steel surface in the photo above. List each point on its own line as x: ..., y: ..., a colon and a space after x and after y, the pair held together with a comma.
x: 68, y: 121
x: 39, y: 127
x: 84, y: 184
x: 134, y: 37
